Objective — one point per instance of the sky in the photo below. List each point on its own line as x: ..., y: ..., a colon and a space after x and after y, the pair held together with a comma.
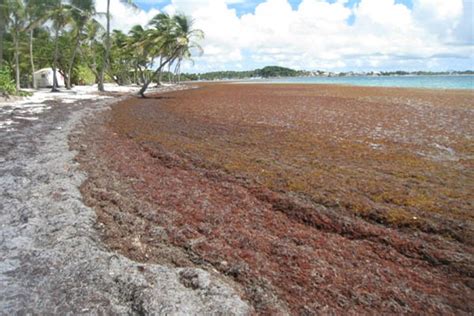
x: 330, y: 35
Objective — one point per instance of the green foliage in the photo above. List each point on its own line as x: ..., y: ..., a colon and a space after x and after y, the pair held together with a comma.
x: 425, y: 73
x: 85, y: 76
x: 7, y: 84
x: 22, y: 93
x: 66, y: 35
x: 266, y: 72
x: 275, y: 71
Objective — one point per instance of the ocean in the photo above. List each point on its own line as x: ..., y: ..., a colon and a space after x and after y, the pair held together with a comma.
x: 465, y: 82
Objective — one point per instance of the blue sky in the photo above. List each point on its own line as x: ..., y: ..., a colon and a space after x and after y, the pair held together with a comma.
x: 246, y: 6
x: 335, y: 35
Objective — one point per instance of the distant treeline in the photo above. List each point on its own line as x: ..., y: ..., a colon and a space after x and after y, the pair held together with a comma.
x: 275, y: 71
x: 266, y: 72
x: 426, y: 73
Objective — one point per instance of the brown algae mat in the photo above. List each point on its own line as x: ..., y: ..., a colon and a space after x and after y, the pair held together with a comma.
x: 307, y: 198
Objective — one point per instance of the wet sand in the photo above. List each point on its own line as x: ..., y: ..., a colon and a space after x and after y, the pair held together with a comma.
x: 306, y: 198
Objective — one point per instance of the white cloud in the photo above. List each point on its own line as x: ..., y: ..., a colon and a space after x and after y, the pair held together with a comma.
x: 124, y: 16
x: 317, y: 33
x: 439, y: 16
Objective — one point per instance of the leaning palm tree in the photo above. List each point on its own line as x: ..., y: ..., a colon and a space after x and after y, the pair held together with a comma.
x: 163, y: 23
x: 160, y: 41
x: 185, y: 30
x: 172, y: 44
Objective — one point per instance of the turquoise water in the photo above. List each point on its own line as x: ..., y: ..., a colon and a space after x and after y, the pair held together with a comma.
x: 430, y: 82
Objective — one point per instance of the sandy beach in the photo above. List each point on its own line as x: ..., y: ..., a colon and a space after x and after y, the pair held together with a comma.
x: 305, y: 198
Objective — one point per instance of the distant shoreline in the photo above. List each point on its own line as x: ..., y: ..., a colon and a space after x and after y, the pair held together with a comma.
x: 431, y: 82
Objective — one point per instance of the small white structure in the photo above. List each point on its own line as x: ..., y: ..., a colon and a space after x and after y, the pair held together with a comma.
x: 44, y: 78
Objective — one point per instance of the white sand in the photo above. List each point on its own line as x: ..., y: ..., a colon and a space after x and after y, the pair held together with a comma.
x: 29, y: 108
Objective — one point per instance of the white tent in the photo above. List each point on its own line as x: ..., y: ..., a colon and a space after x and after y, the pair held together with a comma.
x: 44, y: 78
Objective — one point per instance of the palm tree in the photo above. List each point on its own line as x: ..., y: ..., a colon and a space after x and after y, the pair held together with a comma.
x: 16, y: 19
x: 121, y: 58
x: 82, y: 11
x: 162, y: 23
x: 37, y: 13
x: 171, y: 42
x: 139, y: 47
x: 3, y: 18
x: 107, y: 46
x: 61, y: 16
x: 161, y: 39
x: 93, y: 33
x: 186, y: 31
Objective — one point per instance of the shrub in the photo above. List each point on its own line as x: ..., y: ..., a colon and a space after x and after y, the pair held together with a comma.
x: 22, y: 93
x: 7, y: 85
x: 85, y: 76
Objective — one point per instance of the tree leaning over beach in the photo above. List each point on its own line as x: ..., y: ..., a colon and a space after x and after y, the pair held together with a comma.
x: 192, y: 35
x: 173, y: 38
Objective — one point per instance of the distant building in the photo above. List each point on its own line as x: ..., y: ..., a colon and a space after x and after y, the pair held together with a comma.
x: 44, y: 78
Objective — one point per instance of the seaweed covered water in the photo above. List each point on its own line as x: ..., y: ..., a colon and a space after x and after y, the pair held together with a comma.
x: 429, y: 82
x: 309, y: 199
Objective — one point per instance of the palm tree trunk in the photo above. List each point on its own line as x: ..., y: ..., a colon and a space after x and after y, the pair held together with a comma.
x: 71, y: 62
x: 32, y: 60
x: 55, y: 61
x: 17, y: 58
x: 169, y: 73
x: 107, y: 50
x: 2, y: 29
x: 160, y: 76
x: 176, y: 68
x: 135, y: 77
x: 179, y: 71
x: 154, y: 74
x: 1, y: 42
x: 142, y: 75
x: 94, y: 65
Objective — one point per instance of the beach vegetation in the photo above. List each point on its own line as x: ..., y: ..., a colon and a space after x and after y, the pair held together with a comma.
x: 67, y: 37
x: 265, y: 72
x: 170, y: 39
x: 7, y: 84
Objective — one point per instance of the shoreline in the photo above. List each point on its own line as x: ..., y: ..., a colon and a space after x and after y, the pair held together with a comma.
x: 358, y: 86
x: 269, y: 81
x: 325, y: 85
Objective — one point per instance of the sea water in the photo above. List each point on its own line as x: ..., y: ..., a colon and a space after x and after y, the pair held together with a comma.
x: 430, y: 82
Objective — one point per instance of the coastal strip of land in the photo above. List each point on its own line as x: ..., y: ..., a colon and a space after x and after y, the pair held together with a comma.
x: 305, y: 198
